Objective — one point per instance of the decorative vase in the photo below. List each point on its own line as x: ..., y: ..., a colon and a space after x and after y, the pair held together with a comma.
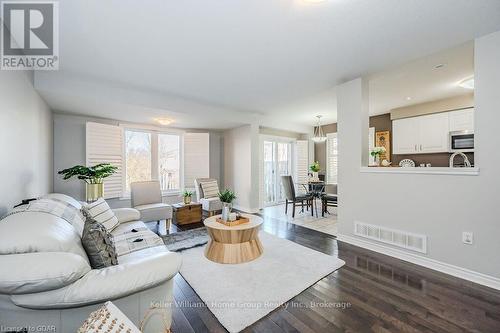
x: 315, y: 175
x: 226, y: 210
x: 187, y: 200
x: 94, y: 192
x: 377, y: 160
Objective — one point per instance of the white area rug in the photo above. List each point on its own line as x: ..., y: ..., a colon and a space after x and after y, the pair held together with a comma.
x: 239, y: 295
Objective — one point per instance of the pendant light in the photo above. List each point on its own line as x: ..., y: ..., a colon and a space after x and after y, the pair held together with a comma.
x: 319, y: 136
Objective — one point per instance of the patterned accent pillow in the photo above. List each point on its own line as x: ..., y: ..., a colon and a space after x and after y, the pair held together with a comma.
x: 98, y: 243
x: 210, y: 189
x: 99, y: 210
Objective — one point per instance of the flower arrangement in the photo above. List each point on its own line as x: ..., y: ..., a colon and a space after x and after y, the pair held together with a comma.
x: 377, y: 151
x: 315, y: 167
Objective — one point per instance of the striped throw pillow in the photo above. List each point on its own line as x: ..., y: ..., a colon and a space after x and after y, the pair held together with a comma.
x: 210, y: 189
x: 99, y: 211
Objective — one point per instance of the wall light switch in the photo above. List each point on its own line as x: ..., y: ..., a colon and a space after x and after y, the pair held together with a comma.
x: 467, y: 237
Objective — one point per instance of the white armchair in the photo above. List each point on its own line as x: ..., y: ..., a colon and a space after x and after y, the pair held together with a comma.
x: 209, y: 203
x: 146, y: 198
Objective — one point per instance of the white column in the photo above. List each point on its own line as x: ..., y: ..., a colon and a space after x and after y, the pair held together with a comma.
x: 352, y: 113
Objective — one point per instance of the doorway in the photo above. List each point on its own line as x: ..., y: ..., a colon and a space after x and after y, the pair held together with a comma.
x: 277, y: 159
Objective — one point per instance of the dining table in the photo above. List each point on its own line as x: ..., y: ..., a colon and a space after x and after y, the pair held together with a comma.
x: 316, y: 189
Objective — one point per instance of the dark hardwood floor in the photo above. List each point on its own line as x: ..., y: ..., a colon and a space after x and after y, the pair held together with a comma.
x: 371, y: 293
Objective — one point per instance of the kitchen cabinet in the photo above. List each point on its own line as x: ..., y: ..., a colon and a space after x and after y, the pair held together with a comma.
x: 405, y: 136
x: 434, y: 133
x: 462, y: 120
x: 421, y: 135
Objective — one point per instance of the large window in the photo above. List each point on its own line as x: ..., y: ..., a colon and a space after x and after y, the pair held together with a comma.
x: 151, y: 155
x: 169, y: 162
x: 137, y: 157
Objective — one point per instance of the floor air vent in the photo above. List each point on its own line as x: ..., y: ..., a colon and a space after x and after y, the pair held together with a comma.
x: 403, y: 239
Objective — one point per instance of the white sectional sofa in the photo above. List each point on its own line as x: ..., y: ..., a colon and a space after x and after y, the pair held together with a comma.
x: 46, y: 279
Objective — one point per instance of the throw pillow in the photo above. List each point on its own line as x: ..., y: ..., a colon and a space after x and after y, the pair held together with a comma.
x: 100, y: 211
x: 210, y: 189
x: 98, y: 243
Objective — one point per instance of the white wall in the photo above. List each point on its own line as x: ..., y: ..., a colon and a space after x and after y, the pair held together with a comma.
x: 241, y: 166
x: 439, y: 206
x: 25, y: 140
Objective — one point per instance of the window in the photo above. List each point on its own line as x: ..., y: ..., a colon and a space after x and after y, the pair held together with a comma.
x: 169, y: 162
x: 151, y: 155
x: 331, y: 158
x: 137, y: 157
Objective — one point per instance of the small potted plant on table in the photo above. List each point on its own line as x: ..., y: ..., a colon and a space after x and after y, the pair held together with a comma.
x: 226, y: 197
x: 187, y: 197
x: 92, y: 176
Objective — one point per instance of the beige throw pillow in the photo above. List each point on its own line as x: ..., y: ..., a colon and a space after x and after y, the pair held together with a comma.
x: 100, y: 211
x: 210, y: 189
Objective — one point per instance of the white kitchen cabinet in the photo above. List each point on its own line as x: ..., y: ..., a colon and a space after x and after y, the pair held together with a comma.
x: 433, y: 133
x: 405, y: 136
x: 462, y: 120
x: 421, y: 135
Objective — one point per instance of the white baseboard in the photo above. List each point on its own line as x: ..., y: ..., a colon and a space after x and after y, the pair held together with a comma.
x: 436, y: 265
x: 246, y: 209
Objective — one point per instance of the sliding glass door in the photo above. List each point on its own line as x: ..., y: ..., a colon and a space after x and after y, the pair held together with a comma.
x: 277, y: 161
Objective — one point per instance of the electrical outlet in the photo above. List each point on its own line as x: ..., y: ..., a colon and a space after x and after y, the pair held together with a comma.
x: 467, y: 237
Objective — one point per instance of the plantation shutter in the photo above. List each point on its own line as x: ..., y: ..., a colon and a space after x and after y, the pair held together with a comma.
x: 331, y: 158
x: 302, y: 163
x: 104, y: 144
x: 196, y: 157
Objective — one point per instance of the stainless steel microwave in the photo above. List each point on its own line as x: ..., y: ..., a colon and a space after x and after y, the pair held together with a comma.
x: 462, y: 141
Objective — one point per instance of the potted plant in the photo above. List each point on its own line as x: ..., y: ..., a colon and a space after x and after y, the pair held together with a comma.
x: 226, y: 197
x: 315, y: 168
x: 376, y: 153
x: 92, y: 176
x: 187, y: 197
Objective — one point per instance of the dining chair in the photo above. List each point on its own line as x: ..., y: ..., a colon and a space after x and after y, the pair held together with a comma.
x: 293, y: 198
x: 329, y: 199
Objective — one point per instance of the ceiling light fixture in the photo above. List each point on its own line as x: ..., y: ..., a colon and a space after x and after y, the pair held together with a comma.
x: 163, y: 121
x: 319, y: 136
x: 467, y: 83
x: 314, y: 1
x: 408, y: 98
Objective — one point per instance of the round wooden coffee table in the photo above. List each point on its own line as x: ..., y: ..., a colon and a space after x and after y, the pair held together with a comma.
x: 233, y: 245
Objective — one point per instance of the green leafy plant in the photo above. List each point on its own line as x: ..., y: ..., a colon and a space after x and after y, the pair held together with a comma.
x: 90, y: 175
x: 187, y: 194
x: 227, y: 196
x: 315, y: 167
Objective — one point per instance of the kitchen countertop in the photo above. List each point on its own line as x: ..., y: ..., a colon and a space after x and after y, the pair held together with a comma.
x: 421, y: 170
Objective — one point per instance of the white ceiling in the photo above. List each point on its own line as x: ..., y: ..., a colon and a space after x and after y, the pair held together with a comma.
x: 223, y: 63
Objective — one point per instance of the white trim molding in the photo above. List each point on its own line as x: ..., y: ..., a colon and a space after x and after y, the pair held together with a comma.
x: 462, y: 273
x: 424, y: 171
x: 246, y: 209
